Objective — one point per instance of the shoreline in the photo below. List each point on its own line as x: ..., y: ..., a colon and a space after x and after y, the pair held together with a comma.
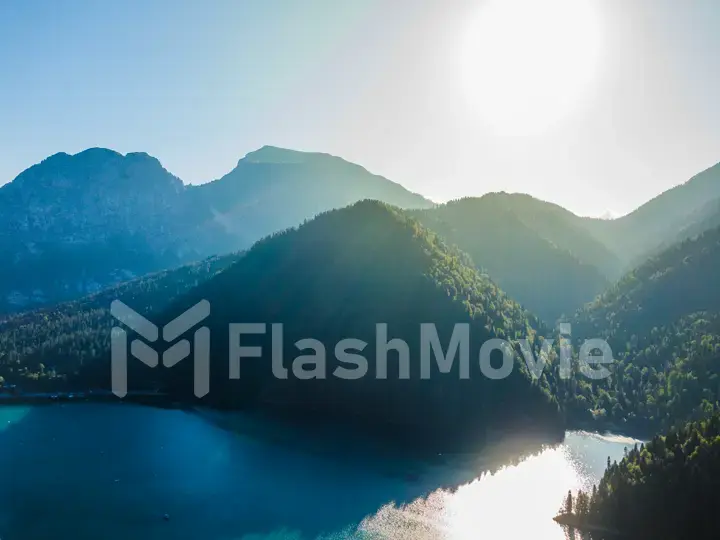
x: 571, y: 520
x: 153, y: 399
x: 251, y: 420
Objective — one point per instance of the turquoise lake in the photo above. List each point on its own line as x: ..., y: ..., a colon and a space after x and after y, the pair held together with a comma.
x: 91, y: 471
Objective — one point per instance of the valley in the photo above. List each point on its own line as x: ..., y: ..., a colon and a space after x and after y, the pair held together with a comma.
x: 337, y: 265
x: 400, y: 270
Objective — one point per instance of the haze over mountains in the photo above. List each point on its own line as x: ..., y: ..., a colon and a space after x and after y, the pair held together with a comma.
x: 508, y: 265
x: 71, y: 225
x: 681, y: 212
x: 533, y: 249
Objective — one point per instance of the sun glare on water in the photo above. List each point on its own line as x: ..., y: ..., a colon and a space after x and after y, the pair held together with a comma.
x: 518, y: 502
x: 526, y: 64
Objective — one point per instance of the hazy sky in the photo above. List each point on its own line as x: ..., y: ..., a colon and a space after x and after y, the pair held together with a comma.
x: 383, y: 83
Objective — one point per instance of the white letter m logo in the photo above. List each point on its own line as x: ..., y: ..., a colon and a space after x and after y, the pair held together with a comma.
x: 149, y: 356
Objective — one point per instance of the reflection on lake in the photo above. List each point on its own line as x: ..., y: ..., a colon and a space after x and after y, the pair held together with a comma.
x: 112, y: 471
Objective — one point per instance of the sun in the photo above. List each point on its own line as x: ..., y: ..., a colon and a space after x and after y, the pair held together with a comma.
x: 527, y: 64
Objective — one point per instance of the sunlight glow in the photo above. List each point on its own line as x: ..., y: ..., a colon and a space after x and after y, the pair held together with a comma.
x: 518, y: 501
x: 526, y: 64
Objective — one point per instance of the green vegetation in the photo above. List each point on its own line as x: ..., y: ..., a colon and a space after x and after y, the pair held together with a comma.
x: 668, y: 376
x: 73, y: 335
x: 665, y: 489
x: 339, y: 275
x: 532, y: 249
x: 75, y: 224
x: 662, y: 322
x: 678, y: 282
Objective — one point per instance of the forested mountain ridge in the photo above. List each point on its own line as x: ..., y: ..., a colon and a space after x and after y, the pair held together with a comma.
x: 44, y: 347
x: 661, y: 321
x: 337, y: 277
x: 560, y: 227
x: 98, y: 217
x: 526, y: 247
x: 679, y: 281
x: 665, y: 372
x: 74, y: 224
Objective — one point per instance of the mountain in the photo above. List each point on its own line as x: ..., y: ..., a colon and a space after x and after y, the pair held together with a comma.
x: 664, y: 489
x: 47, y: 347
x: 272, y: 189
x: 337, y: 277
x: 659, y: 380
x: 561, y: 227
x: 662, y: 321
x: 704, y: 219
x: 74, y: 224
x: 534, y: 250
x: 680, y: 281
x: 70, y: 224
x: 658, y: 222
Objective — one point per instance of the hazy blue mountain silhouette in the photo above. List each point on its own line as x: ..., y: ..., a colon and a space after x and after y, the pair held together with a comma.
x: 274, y: 188
x: 661, y: 221
x: 73, y: 224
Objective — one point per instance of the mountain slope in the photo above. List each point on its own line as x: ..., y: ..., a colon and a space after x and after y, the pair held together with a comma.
x: 562, y: 228
x: 338, y: 276
x: 526, y: 247
x: 272, y: 189
x: 64, y: 338
x: 73, y: 224
x: 659, y: 221
x: 680, y: 281
x: 704, y: 219
x: 661, y: 321
x: 661, y: 379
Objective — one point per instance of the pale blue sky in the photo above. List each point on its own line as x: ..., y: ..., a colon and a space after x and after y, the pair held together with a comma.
x: 200, y: 83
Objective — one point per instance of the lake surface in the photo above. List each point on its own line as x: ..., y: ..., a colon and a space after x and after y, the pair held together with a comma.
x: 90, y: 471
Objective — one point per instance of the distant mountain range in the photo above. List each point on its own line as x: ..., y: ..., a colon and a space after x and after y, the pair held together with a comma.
x: 330, y: 266
x: 72, y: 225
x: 681, y: 212
x: 508, y: 265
